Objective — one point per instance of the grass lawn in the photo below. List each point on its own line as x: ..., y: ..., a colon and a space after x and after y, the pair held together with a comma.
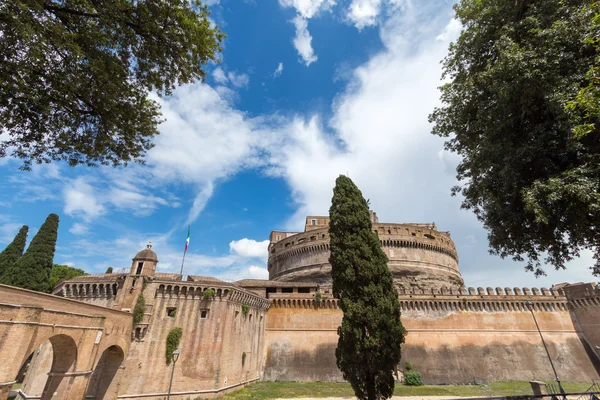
x: 275, y: 390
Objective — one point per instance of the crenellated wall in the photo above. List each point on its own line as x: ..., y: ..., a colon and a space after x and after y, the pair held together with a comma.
x: 454, y: 336
x: 419, y: 256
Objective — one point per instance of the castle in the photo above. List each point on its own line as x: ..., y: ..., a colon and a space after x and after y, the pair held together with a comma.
x: 285, y: 328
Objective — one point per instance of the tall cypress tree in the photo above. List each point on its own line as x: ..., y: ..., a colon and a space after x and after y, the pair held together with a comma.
x: 32, y: 270
x: 13, y: 251
x: 371, y: 332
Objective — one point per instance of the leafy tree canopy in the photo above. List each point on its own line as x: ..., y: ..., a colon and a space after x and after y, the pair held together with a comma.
x: 371, y: 332
x: 61, y: 272
x: 77, y: 74
x: 521, y: 108
x: 32, y: 270
x: 14, y: 250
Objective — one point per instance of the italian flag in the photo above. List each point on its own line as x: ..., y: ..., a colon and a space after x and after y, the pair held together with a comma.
x: 187, y: 241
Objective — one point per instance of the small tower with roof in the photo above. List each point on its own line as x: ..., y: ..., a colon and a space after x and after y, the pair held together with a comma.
x: 144, y: 262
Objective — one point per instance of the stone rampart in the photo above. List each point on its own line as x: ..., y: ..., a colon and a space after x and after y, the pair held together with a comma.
x: 462, y: 337
x: 221, y: 346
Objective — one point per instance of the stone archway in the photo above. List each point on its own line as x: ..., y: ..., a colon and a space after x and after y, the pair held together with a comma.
x: 48, y: 368
x: 103, y: 382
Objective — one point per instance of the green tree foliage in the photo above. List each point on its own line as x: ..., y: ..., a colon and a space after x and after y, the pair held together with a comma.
x: 139, y: 309
x: 32, y: 270
x: 208, y: 294
x: 62, y: 272
x: 14, y: 250
x: 413, y: 378
x: 173, y: 339
x: 77, y: 74
x: 109, y: 270
x: 586, y: 106
x: 519, y: 109
x: 371, y: 332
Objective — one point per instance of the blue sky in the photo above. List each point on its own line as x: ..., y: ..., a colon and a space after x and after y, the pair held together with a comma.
x: 307, y: 90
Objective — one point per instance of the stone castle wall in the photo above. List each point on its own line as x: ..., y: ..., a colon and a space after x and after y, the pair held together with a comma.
x: 212, y: 344
x: 459, y: 338
x: 418, y: 257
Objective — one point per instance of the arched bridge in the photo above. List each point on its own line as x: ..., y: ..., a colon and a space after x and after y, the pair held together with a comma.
x: 59, y: 348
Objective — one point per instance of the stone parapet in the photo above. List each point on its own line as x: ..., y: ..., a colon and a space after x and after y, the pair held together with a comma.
x: 449, y: 300
x: 195, y: 291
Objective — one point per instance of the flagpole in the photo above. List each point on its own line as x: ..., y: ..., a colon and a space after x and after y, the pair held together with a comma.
x: 187, y: 242
x: 182, y: 261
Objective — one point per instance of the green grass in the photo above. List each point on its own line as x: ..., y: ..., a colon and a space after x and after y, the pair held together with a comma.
x: 286, y: 390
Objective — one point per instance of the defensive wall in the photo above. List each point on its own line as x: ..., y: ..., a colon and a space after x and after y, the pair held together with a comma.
x: 418, y: 256
x: 77, y: 345
x: 221, y: 345
x: 454, y: 336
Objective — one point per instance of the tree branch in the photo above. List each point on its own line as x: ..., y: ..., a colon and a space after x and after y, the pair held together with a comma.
x: 55, y: 9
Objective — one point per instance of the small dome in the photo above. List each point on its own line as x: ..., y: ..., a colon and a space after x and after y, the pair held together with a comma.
x: 147, y: 254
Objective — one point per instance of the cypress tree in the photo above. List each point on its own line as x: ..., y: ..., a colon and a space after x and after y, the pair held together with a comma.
x: 32, y: 270
x: 13, y: 251
x: 371, y: 332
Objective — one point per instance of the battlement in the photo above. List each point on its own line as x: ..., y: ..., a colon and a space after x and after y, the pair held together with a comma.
x: 195, y: 291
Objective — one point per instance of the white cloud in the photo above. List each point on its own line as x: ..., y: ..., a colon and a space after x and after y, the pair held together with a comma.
x: 237, y: 80
x: 81, y: 200
x: 255, y: 272
x: 302, y: 41
x: 364, y: 12
x: 79, y: 229
x: 278, y: 70
x: 249, y: 248
x: 200, y: 202
x: 219, y: 75
x: 308, y: 8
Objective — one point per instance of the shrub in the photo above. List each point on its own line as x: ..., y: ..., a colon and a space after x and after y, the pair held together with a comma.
x: 173, y: 339
x: 318, y: 296
x: 408, y: 365
x: 245, y: 309
x: 139, y: 309
x: 243, y: 358
x: 413, y: 378
x: 208, y: 294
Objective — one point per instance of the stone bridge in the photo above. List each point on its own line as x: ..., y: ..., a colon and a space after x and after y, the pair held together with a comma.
x: 63, y: 348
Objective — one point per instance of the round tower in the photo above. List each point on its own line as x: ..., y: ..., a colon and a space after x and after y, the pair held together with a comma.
x: 419, y: 256
x: 144, y: 262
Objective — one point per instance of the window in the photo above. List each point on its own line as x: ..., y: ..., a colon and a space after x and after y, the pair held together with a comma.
x: 278, y: 238
x: 313, y: 221
x: 204, y: 314
x: 287, y: 290
x: 303, y: 290
x: 270, y: 290
x: 139, y: 268
x: 171, y: 312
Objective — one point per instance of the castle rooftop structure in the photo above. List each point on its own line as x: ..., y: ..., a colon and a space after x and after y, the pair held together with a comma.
x: 419, y: 256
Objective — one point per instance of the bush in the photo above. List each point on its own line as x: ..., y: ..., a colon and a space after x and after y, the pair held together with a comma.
x: 208, y: 294
x: 172, y: 343
x: 408, y: 365
x: 139, y: 309
x: 413, y: 378
x: 245, y: 309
